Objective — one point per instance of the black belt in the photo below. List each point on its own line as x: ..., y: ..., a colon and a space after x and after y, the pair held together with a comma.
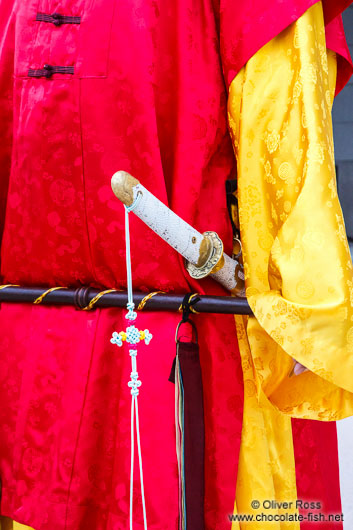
x: 82, y: 297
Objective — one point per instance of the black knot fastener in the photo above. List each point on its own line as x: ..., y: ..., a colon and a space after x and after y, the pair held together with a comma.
x: 57, y: 19
x: 49, y: 70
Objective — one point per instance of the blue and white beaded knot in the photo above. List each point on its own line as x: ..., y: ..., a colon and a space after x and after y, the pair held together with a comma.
x: 131, y: 315
x: 131, y: 336
x: 135, y: 383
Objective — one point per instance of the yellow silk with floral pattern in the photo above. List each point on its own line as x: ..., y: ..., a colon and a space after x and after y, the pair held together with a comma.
x: 266, y: 468
x: 296, y: 257
x: 297, y: 262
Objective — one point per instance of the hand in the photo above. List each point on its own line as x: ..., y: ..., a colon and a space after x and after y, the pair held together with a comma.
x: 298, y: 369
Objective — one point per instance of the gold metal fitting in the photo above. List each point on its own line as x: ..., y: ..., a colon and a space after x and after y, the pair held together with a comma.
x: 214, y: 261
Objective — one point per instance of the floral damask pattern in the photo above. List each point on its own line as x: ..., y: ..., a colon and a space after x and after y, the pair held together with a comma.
x: 148, y: 96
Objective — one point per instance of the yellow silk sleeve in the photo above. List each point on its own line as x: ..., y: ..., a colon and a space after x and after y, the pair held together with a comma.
x: 297, y: 262
x: 8, y: 524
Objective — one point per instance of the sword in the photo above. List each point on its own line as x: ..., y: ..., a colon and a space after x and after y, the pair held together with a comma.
x: 203, y: 253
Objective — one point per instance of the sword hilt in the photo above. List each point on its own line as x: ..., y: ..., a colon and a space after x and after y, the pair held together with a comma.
x: 122, y: 186
x: 203, y: 252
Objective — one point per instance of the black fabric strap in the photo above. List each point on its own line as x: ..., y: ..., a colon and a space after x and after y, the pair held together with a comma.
x: 187, y: 304
x: 194, y: 434
x: 48, y: 70
x: 57, y: 19
x: 231, y: 188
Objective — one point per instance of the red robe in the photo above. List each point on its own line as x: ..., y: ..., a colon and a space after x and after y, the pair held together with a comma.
x: 147, y: 95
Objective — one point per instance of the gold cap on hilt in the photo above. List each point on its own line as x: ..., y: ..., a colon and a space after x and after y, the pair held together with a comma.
x: 122, y: 186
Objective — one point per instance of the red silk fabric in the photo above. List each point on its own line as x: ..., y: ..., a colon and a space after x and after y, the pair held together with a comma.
x: 147, y: 96
x: 65, y: 419
x: 317, y: 471
x: 134, y: 103
x: 246, y: 26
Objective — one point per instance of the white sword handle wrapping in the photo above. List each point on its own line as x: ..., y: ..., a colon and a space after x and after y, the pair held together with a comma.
x: 169, y: 226
x: 203, y: 252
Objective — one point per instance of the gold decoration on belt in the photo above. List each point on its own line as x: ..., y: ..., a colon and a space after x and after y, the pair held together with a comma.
x: 96, y: 298
x: 42, y: 296
x: 146, y: 298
